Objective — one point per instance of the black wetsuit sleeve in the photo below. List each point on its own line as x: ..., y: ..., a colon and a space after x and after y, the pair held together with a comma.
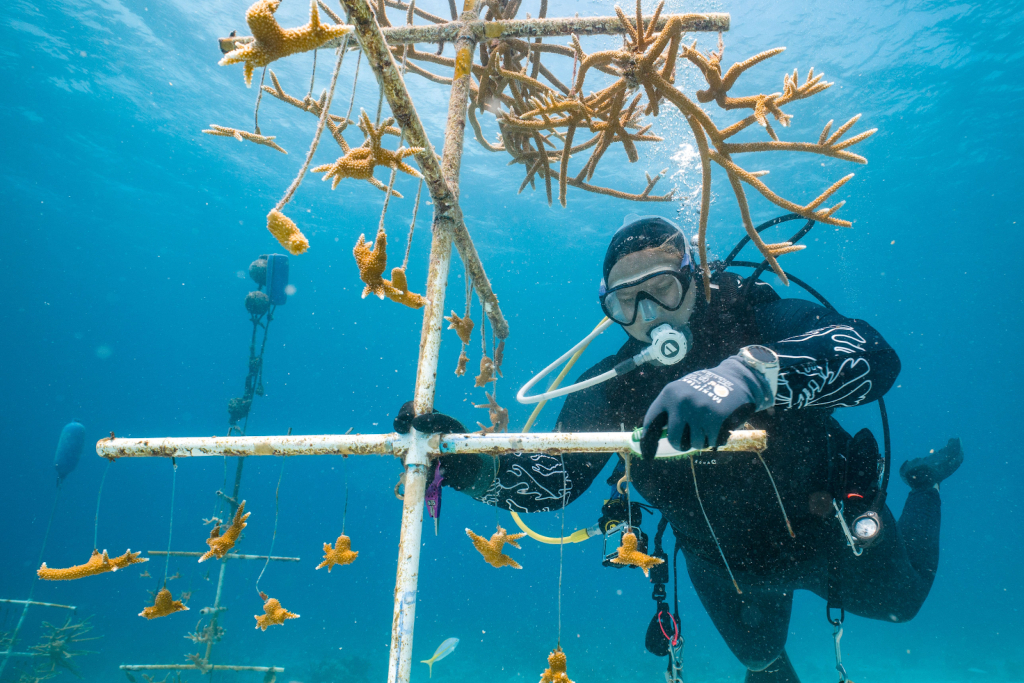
x: 826, y: 359
x: 537, y: 482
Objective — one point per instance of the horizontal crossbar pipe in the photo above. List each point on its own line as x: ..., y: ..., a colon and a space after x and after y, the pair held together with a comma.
x: 552, y: 443
x: 24, y: 654
x: 230, y: 556
x: 193, y: 667
x: 711, y: 22
x: 38, y: 604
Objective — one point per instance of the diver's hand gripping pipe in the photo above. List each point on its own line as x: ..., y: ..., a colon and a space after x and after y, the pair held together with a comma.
x: 668, y: 347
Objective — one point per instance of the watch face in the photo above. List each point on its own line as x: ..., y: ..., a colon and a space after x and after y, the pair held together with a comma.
x: 762, y: 354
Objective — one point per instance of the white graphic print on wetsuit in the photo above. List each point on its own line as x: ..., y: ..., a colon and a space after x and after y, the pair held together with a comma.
x: 540, y: 478
x: 824, y: 384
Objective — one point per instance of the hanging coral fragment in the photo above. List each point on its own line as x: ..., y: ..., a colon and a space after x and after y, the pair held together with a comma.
x: 163, y: 605
x: 498, y: 415
x: 99, y: 563
x: 286, y: 232
x: 555, y: 673
x: 629, y: 555
x: 271, y: 42
x: 273, y: 613
x: 491, y: 548
x: 372, y: 265
x: 341, y: 554
x: 360, y: 162
x: 221, y: 544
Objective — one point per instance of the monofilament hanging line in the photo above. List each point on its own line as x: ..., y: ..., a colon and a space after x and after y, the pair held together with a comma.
x: 324, y: 115
x: 344, y: 471
x: 693, y: 470
x: 170, y: 526
x: 412, y: 225
x: 96, y: 520
x: 394, y: 169
x: 256, y: 111
x: 312, y: 76
x: 277, y: 514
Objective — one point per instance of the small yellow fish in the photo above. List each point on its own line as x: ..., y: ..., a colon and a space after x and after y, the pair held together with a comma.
x: 443, y: 650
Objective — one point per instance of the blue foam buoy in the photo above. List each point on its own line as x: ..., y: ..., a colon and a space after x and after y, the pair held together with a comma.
x: 69, y: 449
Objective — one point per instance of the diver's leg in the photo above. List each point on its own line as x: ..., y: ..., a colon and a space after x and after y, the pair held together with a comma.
x: 779, y: 671
x: 891, y: 580
x: 753, y: 624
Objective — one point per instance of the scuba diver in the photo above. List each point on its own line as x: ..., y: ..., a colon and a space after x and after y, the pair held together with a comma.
x: 752, y: 527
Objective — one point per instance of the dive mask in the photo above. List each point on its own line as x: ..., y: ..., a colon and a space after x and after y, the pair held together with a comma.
x: 666, y: 288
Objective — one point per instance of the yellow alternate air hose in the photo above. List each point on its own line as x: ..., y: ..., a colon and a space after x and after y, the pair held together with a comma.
x: 579, y: 535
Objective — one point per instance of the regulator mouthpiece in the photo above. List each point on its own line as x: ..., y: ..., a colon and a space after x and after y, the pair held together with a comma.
x: 668, y: 345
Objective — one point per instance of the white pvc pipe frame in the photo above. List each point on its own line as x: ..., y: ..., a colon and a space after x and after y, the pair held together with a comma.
x: 393, y: 444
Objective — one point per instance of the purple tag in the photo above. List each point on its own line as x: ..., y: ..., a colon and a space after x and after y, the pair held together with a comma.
x: 432, y: 497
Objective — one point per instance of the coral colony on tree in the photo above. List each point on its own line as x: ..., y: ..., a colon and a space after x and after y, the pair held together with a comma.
x: 560, y: 133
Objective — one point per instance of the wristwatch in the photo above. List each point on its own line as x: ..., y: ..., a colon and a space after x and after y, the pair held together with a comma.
x: 766, y: 362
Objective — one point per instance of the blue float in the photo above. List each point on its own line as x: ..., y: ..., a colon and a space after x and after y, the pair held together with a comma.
x: 69, y: 449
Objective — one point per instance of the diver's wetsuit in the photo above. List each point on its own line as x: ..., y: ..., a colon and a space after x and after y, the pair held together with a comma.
x: 827, y: 361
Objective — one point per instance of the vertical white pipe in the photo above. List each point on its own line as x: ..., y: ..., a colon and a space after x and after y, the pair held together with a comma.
x: 417, y: 463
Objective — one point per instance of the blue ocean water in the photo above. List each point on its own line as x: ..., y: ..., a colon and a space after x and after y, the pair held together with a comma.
x: 127, y: 235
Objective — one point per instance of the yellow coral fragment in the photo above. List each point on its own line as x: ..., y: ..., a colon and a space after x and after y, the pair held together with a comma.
x: 273, y: 614
x: 341, y: 554
x: 628, y: 554
x: 286, y: 232
x: 221, y: 544
x: 491, y: 549
x: 163, y: 605
x: 271, y: 42
x: 462, y: 326
x: 99, y: 563
x: 555, y: 673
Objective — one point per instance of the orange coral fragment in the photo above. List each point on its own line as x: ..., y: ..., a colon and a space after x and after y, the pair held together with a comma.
x: 286, y: 232
x: 491, y: 549
x: 398, y: 291
x: 99, y: 563
x: 341, y: 554
x: 486, y: 372
x: 371, y: 268
x: 163, y: 605
x: 555, y: 673
x: 460, y: 369
x: 360, y: 162
x: 221, y: 544
x: 462, y: 326
x: 274, y: 614
x: 498, y: 415
x: 628, y: 554
x: 271, y: 42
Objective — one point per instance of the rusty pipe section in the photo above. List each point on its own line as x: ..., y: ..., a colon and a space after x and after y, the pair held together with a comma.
x: 554, y: 443
x: 711, y: 22
x: 202, y: 446
x: 379, y: 57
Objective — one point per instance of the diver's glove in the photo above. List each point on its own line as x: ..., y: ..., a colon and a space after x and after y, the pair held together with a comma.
x: 701, y: 408
x: 428, y: 423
